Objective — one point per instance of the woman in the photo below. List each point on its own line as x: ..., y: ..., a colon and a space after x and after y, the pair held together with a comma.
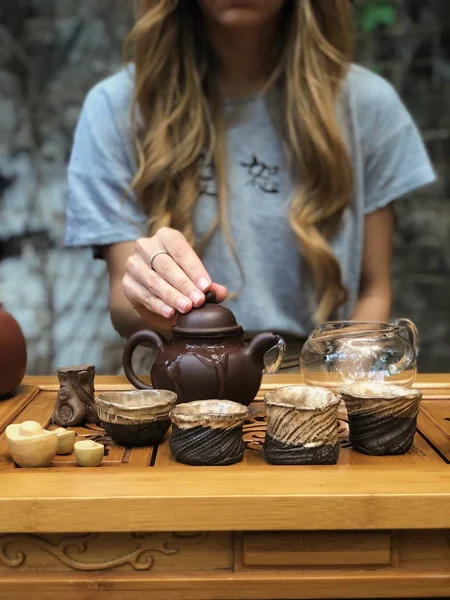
x: 243, y: 153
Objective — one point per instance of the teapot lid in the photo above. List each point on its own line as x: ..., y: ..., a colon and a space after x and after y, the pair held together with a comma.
x: 211, y: 319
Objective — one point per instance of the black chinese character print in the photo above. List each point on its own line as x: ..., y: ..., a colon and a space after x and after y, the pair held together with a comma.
x: 262, y: 175
x: 207, y: 176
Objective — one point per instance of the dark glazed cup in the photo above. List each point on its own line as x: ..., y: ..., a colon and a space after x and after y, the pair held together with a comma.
x: 208, y: 432
x: 382, y: 417
x: 302, y: 427
x: 136, y: 418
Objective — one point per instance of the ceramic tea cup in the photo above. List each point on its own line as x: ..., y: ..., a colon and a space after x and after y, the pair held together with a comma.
x: 382, y: 417
x: 208, y: 432
x: 136, y: 418
x: 302, y: 427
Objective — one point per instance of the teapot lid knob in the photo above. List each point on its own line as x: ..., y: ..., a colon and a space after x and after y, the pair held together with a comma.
x: 210, y: 298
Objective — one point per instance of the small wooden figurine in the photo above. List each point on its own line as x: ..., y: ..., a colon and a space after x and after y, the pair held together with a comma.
x: 75, y: 401
x: 88, y: 453
x: 30, y: 445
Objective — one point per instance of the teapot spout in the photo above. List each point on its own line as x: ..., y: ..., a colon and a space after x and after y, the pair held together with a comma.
x: 261, y: 344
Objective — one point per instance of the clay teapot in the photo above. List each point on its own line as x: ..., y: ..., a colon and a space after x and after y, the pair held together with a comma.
x: 207, y: 358
x: 13, y: 354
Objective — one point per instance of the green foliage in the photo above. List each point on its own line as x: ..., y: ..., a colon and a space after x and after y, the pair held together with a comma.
x: 374, y: 13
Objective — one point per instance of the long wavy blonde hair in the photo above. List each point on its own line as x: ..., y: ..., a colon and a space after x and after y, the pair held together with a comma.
x: 179, y: 107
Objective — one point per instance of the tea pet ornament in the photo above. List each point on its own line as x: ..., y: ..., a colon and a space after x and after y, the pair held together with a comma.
x: 75, y: 400
x: 89, y: 453
x: 30, y: 445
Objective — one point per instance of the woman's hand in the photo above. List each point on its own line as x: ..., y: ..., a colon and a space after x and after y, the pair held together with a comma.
x: 175, y: 281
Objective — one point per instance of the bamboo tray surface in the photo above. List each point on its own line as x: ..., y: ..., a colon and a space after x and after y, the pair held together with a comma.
x: 399, y: 491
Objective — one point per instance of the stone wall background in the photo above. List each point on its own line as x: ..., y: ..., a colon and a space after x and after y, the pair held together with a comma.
x: 53, y: 51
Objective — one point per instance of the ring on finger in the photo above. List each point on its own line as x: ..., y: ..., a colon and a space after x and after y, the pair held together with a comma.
x: 155, y: 254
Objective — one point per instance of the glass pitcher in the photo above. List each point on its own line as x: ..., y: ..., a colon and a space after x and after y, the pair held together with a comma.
x: 342, y: 352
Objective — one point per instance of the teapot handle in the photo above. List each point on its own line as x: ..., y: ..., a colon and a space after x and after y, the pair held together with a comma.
x: 146, y: 335
x: 411, y: 330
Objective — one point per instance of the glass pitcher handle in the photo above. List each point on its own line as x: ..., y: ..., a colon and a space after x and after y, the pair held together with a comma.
x: 412, y: 332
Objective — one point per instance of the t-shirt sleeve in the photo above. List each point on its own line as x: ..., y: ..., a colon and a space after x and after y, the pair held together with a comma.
x: 395, y: 158
x: 101, y: 209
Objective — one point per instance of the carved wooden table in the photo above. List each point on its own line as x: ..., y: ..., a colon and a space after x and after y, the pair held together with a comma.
x: 142, y: 526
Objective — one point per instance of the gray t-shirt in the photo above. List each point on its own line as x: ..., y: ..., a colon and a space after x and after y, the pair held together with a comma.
x: 388, y: 157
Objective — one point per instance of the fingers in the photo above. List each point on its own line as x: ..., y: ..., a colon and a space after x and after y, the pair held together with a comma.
x: 157, y: 285
x: 140, y: 296
x: 165, y: 266
x: 177, y: 280
x: 177, y: 246
x: 220, y: 291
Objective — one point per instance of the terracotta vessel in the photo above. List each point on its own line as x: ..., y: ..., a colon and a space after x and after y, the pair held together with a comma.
x: 302, y: 427
x: 207, y: 358
x: 13, y: 354
x: 137, y: 418
x: 208, y: 432
x: 382, y: 417
x: 30, y: 445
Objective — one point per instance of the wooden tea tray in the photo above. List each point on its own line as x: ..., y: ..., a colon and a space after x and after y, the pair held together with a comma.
x: 144, y: 526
